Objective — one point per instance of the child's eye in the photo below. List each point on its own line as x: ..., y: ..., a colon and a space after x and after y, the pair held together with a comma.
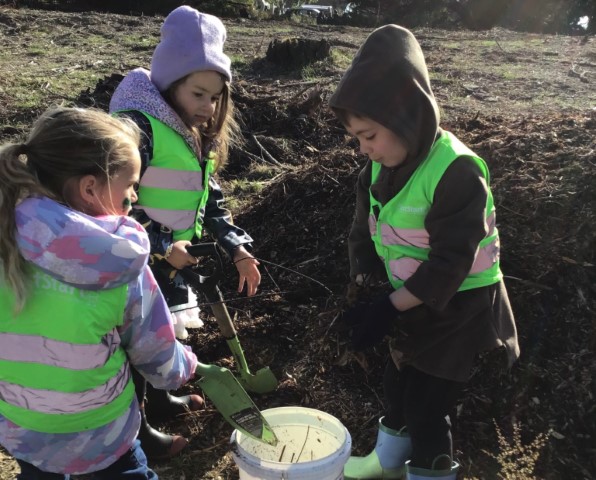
x: 214, y: 99
x: 198, y: 95
x: 370, y: 137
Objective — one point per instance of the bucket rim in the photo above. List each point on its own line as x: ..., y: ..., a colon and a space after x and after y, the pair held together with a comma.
x: 344, y: 449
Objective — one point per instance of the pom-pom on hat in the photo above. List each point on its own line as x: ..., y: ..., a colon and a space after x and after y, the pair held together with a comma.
x: 190, y: 41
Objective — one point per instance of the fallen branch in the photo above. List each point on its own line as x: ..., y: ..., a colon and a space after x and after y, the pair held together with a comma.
x: 264, y: 151
x: 255, y: 157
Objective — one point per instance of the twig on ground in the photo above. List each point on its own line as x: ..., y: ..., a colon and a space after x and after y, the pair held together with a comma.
x: 264, y: 151
x: 256, y: 157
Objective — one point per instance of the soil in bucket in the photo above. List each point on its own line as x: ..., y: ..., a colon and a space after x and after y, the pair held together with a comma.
x: 313, y: 445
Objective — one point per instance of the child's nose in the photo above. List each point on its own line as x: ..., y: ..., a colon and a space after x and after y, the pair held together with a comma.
x: 208, y: 107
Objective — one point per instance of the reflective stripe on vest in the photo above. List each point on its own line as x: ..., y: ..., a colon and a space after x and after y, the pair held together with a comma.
x: 399, y: 235
x: 62, y: 368
x: 173, y: 189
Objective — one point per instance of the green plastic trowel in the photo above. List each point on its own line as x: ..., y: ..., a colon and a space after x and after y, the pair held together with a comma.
x: 262, y: 381
x: 232, y: 401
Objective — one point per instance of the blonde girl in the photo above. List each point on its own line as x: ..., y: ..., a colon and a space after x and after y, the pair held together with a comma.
x: 78, y: 304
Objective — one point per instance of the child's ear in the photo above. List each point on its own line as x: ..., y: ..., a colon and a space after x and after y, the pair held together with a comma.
x: 88, y: 189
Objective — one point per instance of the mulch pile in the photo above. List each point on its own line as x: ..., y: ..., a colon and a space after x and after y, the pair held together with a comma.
x: 543, y: 176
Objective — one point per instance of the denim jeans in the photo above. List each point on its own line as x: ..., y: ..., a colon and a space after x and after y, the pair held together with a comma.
x: 130, y: 466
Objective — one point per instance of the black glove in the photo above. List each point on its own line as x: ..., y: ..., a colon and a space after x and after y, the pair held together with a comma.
x: 370, y: 323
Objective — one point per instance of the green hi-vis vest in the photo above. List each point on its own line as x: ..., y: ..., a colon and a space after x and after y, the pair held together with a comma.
x: 62, y: 369
x: 174, y: 188
x: 398, y: 231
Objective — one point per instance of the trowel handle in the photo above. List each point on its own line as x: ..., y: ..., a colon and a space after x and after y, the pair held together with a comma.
x: 195, y: 277
x: 209, y: 287
x: 204, y: 369
x: 206, y: 249
x: 220, y: 311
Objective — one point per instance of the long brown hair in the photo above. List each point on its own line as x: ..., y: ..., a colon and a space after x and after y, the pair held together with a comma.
x: 64, y: 144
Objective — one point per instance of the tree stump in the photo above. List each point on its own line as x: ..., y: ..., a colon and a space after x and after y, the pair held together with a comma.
x: 297, y: 52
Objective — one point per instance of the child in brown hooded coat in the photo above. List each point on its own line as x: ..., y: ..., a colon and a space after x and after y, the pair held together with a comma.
x: 425, y: 216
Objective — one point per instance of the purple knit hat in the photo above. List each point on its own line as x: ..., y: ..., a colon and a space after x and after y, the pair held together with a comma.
x: 190, y: 41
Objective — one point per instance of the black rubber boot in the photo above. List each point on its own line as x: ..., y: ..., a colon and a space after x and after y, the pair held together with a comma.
x: 157, y: 445
x: 162, y: 405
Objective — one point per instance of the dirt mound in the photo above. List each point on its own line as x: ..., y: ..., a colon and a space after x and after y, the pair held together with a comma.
x: 543, y: 173
x: 542, y: 176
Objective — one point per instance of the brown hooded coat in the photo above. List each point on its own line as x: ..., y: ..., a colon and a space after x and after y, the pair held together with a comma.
x: 388, y: 82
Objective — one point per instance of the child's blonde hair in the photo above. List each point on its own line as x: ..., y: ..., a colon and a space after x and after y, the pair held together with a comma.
x: 64, y: 144
x: 222, y: 130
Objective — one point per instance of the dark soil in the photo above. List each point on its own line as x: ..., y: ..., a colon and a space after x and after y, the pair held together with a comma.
x: 527, y: 104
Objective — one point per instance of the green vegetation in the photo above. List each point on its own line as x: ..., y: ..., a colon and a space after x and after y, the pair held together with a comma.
x: 340, y: 58
x: 243, y: 186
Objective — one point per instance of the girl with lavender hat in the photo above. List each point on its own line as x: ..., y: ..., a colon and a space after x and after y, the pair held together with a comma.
x: 183, y: 107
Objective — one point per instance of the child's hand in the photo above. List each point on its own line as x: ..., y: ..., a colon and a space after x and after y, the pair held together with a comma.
x: 370, y: 323
x: 247, y: 268
x: 179, y: 257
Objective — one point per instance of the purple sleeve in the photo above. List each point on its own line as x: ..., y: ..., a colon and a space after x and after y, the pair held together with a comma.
x: 148, y: 337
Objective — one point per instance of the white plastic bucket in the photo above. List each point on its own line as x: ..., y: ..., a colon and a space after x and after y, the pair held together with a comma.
x: 313, y: 445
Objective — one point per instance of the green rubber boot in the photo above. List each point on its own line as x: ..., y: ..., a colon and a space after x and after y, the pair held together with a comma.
x: 386, y: 461
x: 440, y: 470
